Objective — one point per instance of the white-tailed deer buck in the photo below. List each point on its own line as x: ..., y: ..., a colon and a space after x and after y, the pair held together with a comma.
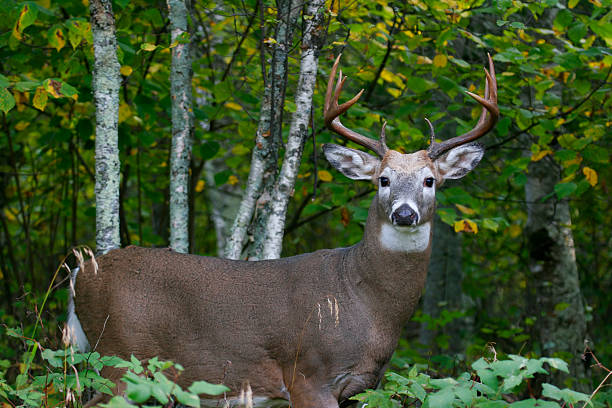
x: 310, y: 330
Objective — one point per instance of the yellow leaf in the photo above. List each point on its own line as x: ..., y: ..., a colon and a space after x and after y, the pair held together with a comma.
x: 515, y: 230
x: 540, y: 155
x: 240, y: 150
x: 22, y: 125
x: 232, y: 180
x: 440, y: 61
x: 233, y: 106
x: 465, y: 210
x: 591, y: 175
x: 53, y: 87
x: 199, y: 186
x: 394, y: 92
x: 466, y: 226
x: 125, y: 112
x: 40, y: 98
x: 423, y: 60
x: 568, y: 178
x: 325, y: 175
x: 57, y: 39
x: 126, y: 70
x: 148, y: 47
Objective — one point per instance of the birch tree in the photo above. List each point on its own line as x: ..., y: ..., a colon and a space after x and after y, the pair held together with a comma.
x: 182, y: 124
x: 264, y: 159
x: 312, y: 41
x: 106, y: 84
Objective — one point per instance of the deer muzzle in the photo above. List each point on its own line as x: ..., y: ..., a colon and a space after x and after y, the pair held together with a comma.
x: 404, y: 215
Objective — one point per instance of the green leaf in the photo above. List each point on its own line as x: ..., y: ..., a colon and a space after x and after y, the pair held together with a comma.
x: 511, y: 382
x: 565, y: 189
x: 4, y: 82
x: 138, y: 392
x: 490, y: 224
x: 187, y: 398
x: 27, y: 17
x: 52, y: 358
x: 25, y: 86
x: 203, y: 387
x: 442, y: 399
x: 596, y: 154
x: 556, y: 363
x: 118, y: 402
x: 7, y: 100
x: 517, y: 24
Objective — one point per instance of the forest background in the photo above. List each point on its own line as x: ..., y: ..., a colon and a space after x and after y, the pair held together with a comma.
x: 521, y: 260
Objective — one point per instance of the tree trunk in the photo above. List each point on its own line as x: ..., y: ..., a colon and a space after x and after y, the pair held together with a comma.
x: 182, y: 124
x: 313, y: 40
x: 106, y: 84
x: 224, y: 202
x: 443, y: 291
x: 264, y: 159
x: 560, y: 322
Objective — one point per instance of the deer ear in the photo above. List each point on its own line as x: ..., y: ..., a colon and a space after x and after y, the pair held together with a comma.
x: 459, y: 161
x: 354, y: 164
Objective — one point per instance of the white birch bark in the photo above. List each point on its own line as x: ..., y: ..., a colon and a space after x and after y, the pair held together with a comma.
x: 106, y: 84
x: 288, y: 14
x: 313, y: 38
x: 265, y: 151
x: 182, y: 124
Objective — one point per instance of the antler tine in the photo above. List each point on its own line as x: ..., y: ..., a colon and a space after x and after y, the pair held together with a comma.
x: 488, y: 117
x: 432, y: 134
x: 332, y: 111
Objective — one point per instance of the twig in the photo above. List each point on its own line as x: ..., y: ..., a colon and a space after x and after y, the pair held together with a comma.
x: 587, y: 350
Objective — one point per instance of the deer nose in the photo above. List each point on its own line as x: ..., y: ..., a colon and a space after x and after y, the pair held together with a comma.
x: 404, y: 215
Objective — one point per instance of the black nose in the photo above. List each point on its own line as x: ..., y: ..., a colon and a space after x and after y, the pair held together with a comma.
x: 404, y: 215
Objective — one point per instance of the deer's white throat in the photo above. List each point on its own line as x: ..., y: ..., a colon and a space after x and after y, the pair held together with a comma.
x: 405, y: 239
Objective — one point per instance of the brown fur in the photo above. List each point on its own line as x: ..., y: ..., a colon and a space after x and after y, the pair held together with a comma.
x: 268, y: 323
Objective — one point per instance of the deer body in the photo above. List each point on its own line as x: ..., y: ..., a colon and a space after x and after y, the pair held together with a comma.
x: 312, y: 329
x: 248, y: 324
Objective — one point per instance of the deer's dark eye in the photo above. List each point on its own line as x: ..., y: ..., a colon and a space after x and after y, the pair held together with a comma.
x: 384, y: 182
x: 429, y: 182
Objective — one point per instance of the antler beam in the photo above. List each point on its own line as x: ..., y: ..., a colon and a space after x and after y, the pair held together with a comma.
x: 332, y: 111
x: 486, y: 122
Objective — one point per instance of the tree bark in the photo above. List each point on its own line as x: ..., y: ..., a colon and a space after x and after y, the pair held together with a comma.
x: 264, y: 159
x: 182, y: 125
x: 106, y: 84
x: 313, y: 39
x: 443, y: 290
x: 560, y: 323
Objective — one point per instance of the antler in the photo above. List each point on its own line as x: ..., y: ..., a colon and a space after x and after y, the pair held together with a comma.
x: 332, y: 111
x: 485, y: 123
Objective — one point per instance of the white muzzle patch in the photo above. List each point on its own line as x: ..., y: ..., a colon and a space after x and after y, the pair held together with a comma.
x: 405, y: 239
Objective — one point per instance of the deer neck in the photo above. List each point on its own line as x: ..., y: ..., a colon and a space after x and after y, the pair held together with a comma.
x: 391, y: 262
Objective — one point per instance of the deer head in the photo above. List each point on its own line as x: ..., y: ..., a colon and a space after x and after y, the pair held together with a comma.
x: 407, y: 182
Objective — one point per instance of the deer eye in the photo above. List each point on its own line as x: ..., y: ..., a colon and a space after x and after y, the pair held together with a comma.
x: 384, y: 182
x: 429, y: 182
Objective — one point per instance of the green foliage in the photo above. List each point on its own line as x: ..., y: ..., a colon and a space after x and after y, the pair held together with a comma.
x: 68, y: 374
x: 499, y: 383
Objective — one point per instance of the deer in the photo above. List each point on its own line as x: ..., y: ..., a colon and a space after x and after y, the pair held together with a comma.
x: 307, y: 331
